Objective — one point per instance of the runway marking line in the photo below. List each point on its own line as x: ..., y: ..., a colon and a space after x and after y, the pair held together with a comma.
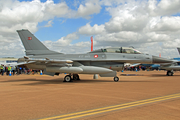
x: 112, y: 108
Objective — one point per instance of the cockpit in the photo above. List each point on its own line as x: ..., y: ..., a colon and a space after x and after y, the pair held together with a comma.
x: 118, y: 50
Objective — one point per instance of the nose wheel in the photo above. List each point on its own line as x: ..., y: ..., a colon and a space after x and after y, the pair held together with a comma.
x: 116, y: 79
x: 170, y: 73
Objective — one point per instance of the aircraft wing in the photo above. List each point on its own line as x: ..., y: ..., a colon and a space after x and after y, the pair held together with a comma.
x: 45, y: 60
x: 50, y: 61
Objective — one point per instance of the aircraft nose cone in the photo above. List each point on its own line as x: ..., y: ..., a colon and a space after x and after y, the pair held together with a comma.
x: 156, y: 59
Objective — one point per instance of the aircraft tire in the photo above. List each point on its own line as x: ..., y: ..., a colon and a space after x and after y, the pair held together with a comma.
x: 76, y: 77
x: 172, y: 73
x: 116, y: 79
x: 67, y: 78
x: 169, y: 73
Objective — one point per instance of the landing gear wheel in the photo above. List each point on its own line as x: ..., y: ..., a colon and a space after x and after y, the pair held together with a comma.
x: 67, y: 78
x: 116, y: 79
x: 169, y: 73
x: 76, y: 77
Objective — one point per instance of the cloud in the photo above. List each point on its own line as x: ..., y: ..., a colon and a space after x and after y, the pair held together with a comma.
x: 142, y: 24
x: 127, y: 17
x: 172, y: 43
x: 63, y: 44
x: 72, y: 36
x: 150, y: 26
x: 168, y: 7
x: 91, y: 7
x: 88, y: 30
x: 15, y: 15
x: 49, y: 24
x: 170, y: 24
x: 154, y: 37
x: 58, y: 10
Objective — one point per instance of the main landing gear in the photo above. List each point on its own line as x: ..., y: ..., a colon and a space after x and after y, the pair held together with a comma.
x: 76, y: 77
x: 69, y: 78
x: 170, y: 73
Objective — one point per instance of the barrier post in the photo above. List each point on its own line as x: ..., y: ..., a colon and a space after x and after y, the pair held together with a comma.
x: 40, y: 72
x: 10, y: 73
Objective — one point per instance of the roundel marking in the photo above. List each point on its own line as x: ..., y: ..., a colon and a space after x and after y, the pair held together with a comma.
x: 95, y: 56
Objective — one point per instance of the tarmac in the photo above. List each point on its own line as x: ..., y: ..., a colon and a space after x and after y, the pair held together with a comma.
x: 143, y: 95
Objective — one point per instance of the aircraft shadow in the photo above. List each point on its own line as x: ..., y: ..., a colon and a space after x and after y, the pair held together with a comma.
x: 36, y: 81
x: 162, y: 75
x: 60, y: 81
x: 131, y: 75
x: 33, y: 79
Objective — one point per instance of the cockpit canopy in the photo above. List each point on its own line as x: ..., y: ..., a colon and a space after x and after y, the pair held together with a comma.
x: 118, y: 50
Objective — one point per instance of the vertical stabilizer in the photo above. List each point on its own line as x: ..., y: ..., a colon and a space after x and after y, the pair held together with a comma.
x: 178, y: 50
x: 32, y: 45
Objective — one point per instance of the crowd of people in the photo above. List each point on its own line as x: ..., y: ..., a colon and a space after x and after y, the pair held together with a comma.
x: 16, y: 70
x: 13, y: 70
x: 137, y: 68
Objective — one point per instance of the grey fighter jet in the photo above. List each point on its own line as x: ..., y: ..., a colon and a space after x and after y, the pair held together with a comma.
x: 174, y: 66
x: 104, y: 62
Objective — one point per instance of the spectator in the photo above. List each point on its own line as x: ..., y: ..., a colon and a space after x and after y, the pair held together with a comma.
x: 13, y: 69
x: 2, y: 70
x: 9, y: 69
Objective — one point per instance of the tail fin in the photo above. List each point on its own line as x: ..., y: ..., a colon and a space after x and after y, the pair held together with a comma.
x: 178, y: 50
x: 32, y: 45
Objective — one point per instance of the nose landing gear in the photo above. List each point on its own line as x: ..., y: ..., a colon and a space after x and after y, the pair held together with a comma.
x: 170, y: 73
x: 116, y: 79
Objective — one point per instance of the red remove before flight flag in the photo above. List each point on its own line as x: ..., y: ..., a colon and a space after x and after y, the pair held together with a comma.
x: 91, y: 43
x: 29, y: 38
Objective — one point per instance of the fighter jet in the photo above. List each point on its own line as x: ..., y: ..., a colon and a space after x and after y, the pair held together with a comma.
x: 169, y: 67
x: 178, y: 50
x: 104, y: 62
x: 174, y: 66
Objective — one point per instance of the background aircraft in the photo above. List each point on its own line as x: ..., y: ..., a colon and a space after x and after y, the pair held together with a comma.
x: 152, y: 66
x: 104, y: 62
x: 178, y: 59
x: 169, y: 67
x: 172, y: 67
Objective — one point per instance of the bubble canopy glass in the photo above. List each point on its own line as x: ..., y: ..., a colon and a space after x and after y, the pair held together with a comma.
x: 118, y: 50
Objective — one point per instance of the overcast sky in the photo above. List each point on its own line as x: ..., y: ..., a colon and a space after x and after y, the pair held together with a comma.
x: 150, y: 26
